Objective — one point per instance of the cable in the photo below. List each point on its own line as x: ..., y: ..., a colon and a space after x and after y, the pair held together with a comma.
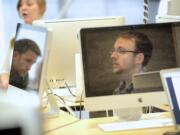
x: 50, y: 91
x: 60, y: 98
x: 67, y: 86
x: 80, y: 106
x: 73, y: 122
x: 66, y: 106
x: 64, y: 99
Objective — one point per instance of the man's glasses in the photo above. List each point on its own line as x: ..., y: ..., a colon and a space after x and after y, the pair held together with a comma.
x: 122, y: 51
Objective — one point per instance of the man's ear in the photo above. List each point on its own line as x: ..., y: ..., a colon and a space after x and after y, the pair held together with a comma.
x: 15, y: 54
x: 139, y: 58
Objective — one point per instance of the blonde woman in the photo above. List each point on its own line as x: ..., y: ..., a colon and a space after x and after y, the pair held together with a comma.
x: 29, y: 11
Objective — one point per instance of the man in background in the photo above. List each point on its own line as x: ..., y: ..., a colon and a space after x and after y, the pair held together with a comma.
x: 25, y: 55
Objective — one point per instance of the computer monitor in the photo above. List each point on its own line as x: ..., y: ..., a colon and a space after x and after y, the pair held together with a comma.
x: 173, y: 7
x: 170, y: 79
x: 147, y: 81
x: 31, y: 39
x: 29, y: 62
x: 99, y: 79
x: 65, y: 45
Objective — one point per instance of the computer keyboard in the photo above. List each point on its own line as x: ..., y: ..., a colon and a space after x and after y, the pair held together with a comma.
x: 133, y: 125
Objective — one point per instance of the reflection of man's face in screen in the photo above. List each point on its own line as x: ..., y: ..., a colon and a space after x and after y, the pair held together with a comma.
x: 23, y: 62
x: 25, y: 55
x: 132, y: 51
x: 123, y: 58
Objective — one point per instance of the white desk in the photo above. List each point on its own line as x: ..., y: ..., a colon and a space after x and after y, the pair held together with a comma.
x: 68, y: 125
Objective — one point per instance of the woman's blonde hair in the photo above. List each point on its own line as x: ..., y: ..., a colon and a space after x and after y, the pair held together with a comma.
x: 41, y: 4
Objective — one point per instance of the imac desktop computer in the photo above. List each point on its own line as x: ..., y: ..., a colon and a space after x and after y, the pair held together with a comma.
x: 64, y: 68
x: 31, y: 48
x: 33, y: 39
x: 99, y: 78
x: 20, y: 108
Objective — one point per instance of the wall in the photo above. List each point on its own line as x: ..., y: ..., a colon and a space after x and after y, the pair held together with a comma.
x: 132, y: 10
x: 1, y: 33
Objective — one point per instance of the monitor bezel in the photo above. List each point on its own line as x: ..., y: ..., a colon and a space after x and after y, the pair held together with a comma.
x: 71, y: 28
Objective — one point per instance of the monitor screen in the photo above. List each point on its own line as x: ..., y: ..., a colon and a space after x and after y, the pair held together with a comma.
x: 63, y: 62
x: 99, y: 79
x: 28, y: 55
x: 29, y: 62
x: 170, y: 79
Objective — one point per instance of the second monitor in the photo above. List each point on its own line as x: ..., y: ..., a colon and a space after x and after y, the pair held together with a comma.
x: 65, y: 45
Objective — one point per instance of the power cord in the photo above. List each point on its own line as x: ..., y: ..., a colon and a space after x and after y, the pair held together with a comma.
x: 67, y: 86
x: 64, y: 100
x: 73, y: 122
x: 80, y: 106
x: 65, y: 105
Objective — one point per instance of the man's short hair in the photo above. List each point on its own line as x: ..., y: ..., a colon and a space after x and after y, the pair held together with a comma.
x: 142, y: 44
x: 23, y: 45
